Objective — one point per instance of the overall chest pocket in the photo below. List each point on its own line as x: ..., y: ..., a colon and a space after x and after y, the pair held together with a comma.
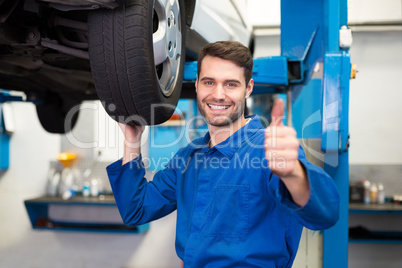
x: 228, y: 214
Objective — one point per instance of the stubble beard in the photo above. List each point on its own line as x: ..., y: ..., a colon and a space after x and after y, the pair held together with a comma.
x: 222, y: 120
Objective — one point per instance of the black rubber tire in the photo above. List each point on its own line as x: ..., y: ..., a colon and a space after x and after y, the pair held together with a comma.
x: 54, y: 116
x: 122, y: 63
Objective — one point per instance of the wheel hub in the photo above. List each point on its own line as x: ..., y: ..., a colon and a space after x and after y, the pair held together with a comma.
x: 167, y: 41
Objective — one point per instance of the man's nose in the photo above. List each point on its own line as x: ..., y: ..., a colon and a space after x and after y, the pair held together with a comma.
x: 219, y: 92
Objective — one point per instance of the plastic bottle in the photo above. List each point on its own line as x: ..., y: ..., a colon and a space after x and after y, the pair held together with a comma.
x: 94, y: 187
x: 86, y: 189
x: 381, y: 194
x: 366, y: 186
x: 373, y: 193
x: 53, y: 181
x: 69, y: 194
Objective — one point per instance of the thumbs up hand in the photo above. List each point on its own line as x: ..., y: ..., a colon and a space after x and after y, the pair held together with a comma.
x: 281, y: 151
x: 281, y: 144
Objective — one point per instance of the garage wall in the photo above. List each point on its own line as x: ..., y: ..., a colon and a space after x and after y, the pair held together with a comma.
x: 375, y: 112
x: 267, y: 13
x: 375, y: 96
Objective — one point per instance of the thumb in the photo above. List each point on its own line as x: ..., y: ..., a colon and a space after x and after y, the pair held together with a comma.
x: 277, y: 113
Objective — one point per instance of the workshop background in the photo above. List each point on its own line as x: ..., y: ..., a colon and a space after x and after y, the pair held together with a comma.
x: 375, y: 153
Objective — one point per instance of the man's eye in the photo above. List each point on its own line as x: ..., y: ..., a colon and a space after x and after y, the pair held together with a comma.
x: 231, y: 84
x: 208, y: 83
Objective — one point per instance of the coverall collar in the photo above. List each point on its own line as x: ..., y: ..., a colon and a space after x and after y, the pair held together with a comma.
x: 229, y: 146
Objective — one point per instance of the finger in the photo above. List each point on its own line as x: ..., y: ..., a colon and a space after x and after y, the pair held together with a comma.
x: 281, y: 156
x: 277, y: 113
x: 275, y: 131
x: 286, y: 140
x: 281, y: 169
x: 282, y: 144
x: 122, y: 127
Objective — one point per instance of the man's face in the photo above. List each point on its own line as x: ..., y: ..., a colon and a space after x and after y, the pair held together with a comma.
x: 221, y: 91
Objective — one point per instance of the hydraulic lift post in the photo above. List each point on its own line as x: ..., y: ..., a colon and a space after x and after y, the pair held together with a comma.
x: 317, y: 70
x: 299, y: 19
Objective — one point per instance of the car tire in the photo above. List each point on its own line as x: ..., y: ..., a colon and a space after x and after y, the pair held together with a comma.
x: 137, y: 55
x: 55, y: 114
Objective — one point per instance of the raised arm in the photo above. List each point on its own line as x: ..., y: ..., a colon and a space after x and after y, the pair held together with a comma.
x: 138, y: 200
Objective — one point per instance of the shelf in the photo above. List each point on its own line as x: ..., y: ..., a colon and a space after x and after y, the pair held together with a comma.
x: 375, y: 241
x: 101, y: 200
x: 387, y: 208
x: 360, y: 234
x: 88, y: 214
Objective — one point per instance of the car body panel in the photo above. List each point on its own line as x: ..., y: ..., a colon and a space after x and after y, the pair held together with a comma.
x: 222, y: 20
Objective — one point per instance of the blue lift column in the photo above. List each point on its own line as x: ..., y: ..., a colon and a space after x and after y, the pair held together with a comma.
x: 4, y: 134
x: 316, y: 24
x: 320, y: 99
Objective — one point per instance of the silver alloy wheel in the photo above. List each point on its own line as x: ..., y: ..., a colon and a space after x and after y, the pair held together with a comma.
x: 131, y: 74
x: 167, y: 42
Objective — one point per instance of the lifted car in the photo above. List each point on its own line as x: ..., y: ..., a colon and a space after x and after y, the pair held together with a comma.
x: 129, y: 54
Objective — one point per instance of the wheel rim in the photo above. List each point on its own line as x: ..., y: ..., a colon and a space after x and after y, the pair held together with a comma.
x: 167, y: 43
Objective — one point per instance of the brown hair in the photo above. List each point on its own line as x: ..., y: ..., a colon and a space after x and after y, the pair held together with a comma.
x: 232, y: 51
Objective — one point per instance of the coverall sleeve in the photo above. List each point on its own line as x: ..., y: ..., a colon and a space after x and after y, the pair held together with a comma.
x: 140, y: 201
x: 322, y: 208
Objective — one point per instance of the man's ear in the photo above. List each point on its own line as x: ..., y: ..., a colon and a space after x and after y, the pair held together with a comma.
x: 249, y: 88
x: 196, y: 84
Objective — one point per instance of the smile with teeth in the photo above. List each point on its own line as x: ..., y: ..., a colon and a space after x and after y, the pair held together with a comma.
x: 218, y: 107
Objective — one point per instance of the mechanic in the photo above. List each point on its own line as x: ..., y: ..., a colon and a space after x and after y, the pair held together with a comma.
x: 242, y: 193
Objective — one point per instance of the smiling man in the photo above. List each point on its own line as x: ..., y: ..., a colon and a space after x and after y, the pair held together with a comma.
x: 222, y: 91
x: 242, y: 193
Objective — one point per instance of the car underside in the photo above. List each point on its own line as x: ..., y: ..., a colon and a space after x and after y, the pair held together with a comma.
x: 44, y: 47
x: 62, y: 52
